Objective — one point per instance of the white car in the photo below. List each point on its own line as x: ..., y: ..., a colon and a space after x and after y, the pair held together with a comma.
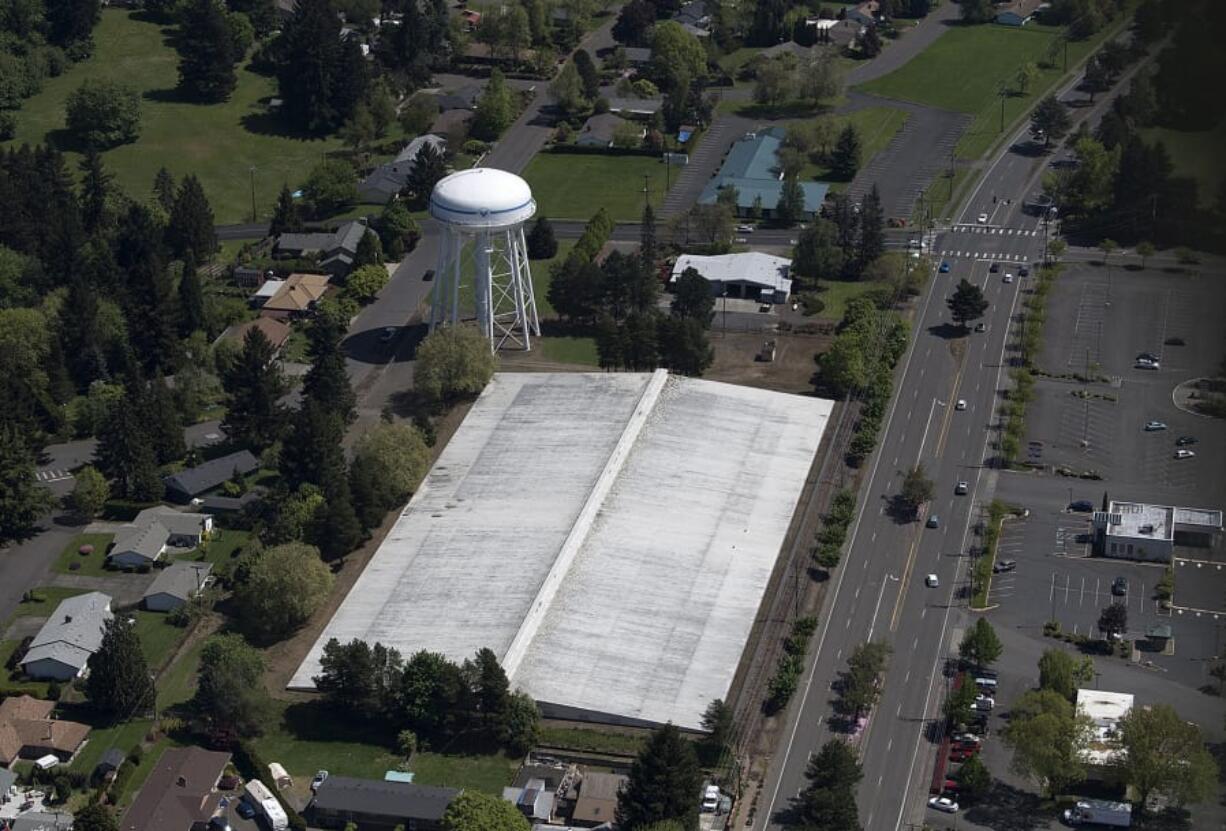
x: 745, y: 229
x: 943, y: 804
x: 1184, y: 454
x: 932, y: 581
x: 984, y: 702
x: 983, y: 219
x: 1008, y: 277
x: 1154, y: 426
x: 961, y: 404
x: 961, y: 488
x: 319, y: 779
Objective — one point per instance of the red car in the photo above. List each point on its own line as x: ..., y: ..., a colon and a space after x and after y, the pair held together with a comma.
x: 965, y: 744
x: 961, y: 754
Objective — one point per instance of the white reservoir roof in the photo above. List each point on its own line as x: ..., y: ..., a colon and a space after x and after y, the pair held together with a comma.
x: 482, y: 197
x: 609, y: 535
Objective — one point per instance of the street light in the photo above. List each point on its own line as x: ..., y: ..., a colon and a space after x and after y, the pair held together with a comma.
x: 252, y: 171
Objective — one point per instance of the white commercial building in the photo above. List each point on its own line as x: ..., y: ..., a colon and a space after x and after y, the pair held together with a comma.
x: 1105, y: 709
x: 752, y: 275
x: 1137, y: 531
x: 609, y: 536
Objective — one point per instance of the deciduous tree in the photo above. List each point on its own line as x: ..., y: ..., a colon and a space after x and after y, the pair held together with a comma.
x: 692, y: 297
x: 103, y: 114
x: 980, y: 645
x: 829, y: 800
x: 331, y: 186
x: 1113, y: 621
x: 1060, y: 672
x: 284, y: 587
x: 967, y: 303
x: 974, y: 781
x: 791, y: 206
x: 1051, y: 116
x: 94, y: 817
x: 90, y: 491
x: 1164, y: 754
x: 230, y: 695
x: 119, y: 684
x: 495, y: 109
x: 1048, y: 738
x: 917, y: 488
x: 476, y: 811
x: 567, y: 90
x: 453, y: 362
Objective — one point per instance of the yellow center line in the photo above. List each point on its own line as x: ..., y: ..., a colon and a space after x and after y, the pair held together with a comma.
x: 906, y: 575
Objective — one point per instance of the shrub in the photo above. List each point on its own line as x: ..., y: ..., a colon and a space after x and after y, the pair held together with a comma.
x: 103, y: 114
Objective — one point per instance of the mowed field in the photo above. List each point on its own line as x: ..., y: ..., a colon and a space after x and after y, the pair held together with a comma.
x: 1196, y: 154
x: 877, y: 126
x: 575, y: 186
x: 219, y: 143
x: 965, y: 69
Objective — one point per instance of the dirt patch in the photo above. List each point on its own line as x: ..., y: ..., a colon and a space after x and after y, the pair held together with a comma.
x: 282, y: 659
x: 737, y: 353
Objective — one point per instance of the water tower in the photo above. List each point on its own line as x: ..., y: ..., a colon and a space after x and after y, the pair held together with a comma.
x: 483, y: 211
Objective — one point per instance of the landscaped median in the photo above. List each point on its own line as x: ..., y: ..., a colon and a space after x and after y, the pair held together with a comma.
x: 981, y: 570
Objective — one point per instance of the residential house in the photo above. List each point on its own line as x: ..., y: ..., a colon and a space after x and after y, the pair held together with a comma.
x: 377, y: 805
x: 29, y: 731
x: 638, y: 56
x: 73, y: 632
x: 186, y: 484
x: 596, y: 802
x: 865, y: 14
x: 275, y: 330
x: 155, y: 529
x: 750, y: 276
x: 695, y: 18
x: 789, y: 47
x: 1017, y: 13
x: 285, y: 9
x: 335, y: 250
x: 534, y: 800
x: 631, y: 107
x: 247, y: 277
x: 298, y: 295
x: 267, y: 291
x: 751, y: 167
x: 838, y: 32
x: 387, y: 180
x: 471, y: 19
x: 176, y: 584
x: 179, y: 793
x: 600, y: 130
x: 41, y: 821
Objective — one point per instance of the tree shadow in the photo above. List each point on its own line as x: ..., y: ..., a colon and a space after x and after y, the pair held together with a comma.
x: 1007, y: 808
x: 65, y: 141
x: 168, y: 95
x: 272, y: 124
x: 947, y: 331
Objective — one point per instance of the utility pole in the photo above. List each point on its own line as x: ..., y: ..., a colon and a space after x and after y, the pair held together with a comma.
x: 252, y: 170
x: 1003, y: 92
x: 646, y: 192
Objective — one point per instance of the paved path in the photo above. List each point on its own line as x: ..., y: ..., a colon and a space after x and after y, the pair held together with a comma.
x: 124, y: 589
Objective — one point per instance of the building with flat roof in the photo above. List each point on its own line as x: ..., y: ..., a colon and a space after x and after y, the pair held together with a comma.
x: 378, y: 805
x: 646, y: 513
x: 1105, y: 709
x: 751, y: 275
x: 1140, y: 531
x: 752, y: 168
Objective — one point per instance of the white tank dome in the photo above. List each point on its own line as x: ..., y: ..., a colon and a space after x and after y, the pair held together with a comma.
x: 482, y: 197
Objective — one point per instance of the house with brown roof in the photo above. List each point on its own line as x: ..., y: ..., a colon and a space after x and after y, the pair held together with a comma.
x: 297, y: 297
x: 275, y: 330
x: 181, y: 791
x: 28, y: 731
x: 597, y: 802
x: 1017, y: 13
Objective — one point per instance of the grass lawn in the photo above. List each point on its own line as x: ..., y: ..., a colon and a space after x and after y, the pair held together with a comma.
x: 91, y: 564
x: 38, y: 689
x: 101, y: 739
x: 570, y: 350
x: 46, y: 598
x: 221, y: 547
x: 964, y: 69
x: 306, y: 737
x: 219, y: 143
x: 540, y: 281
x: 158, y: 638
x: 574, y: 186
x: 877, y: 127
x: 178, y: 683
x: 1197, y: 155
x: 836, y: 293
x: 598, y: 741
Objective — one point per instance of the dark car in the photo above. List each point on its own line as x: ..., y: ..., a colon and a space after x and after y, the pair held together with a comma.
x: 944, y: 269
x: 1174, y: 341
x: 428, y: 276
x: 1184, y: 441
x: 1119, y: 586
x: 1081, y: 506
x: 1147, y: 356
x: 229, y: 782
x: 1004, y: 565
x: 1024, y: 271
x: 994, y: 268
x: 245, y: 809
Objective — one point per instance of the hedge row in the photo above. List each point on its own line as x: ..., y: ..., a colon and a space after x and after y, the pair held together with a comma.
x: 253, y: 766
x: 833, y: 533
x: 791, y: 664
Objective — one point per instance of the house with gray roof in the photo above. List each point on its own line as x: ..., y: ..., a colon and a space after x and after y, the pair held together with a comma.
x: 600, y: 130
x: 176, y: 584
x: 335, y: 250
x: 371, y: 803
x: 73, y: 632
x: 193, y: 481
x: 155, y: 529
x: 387, y: 180
x: 694, y: 18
